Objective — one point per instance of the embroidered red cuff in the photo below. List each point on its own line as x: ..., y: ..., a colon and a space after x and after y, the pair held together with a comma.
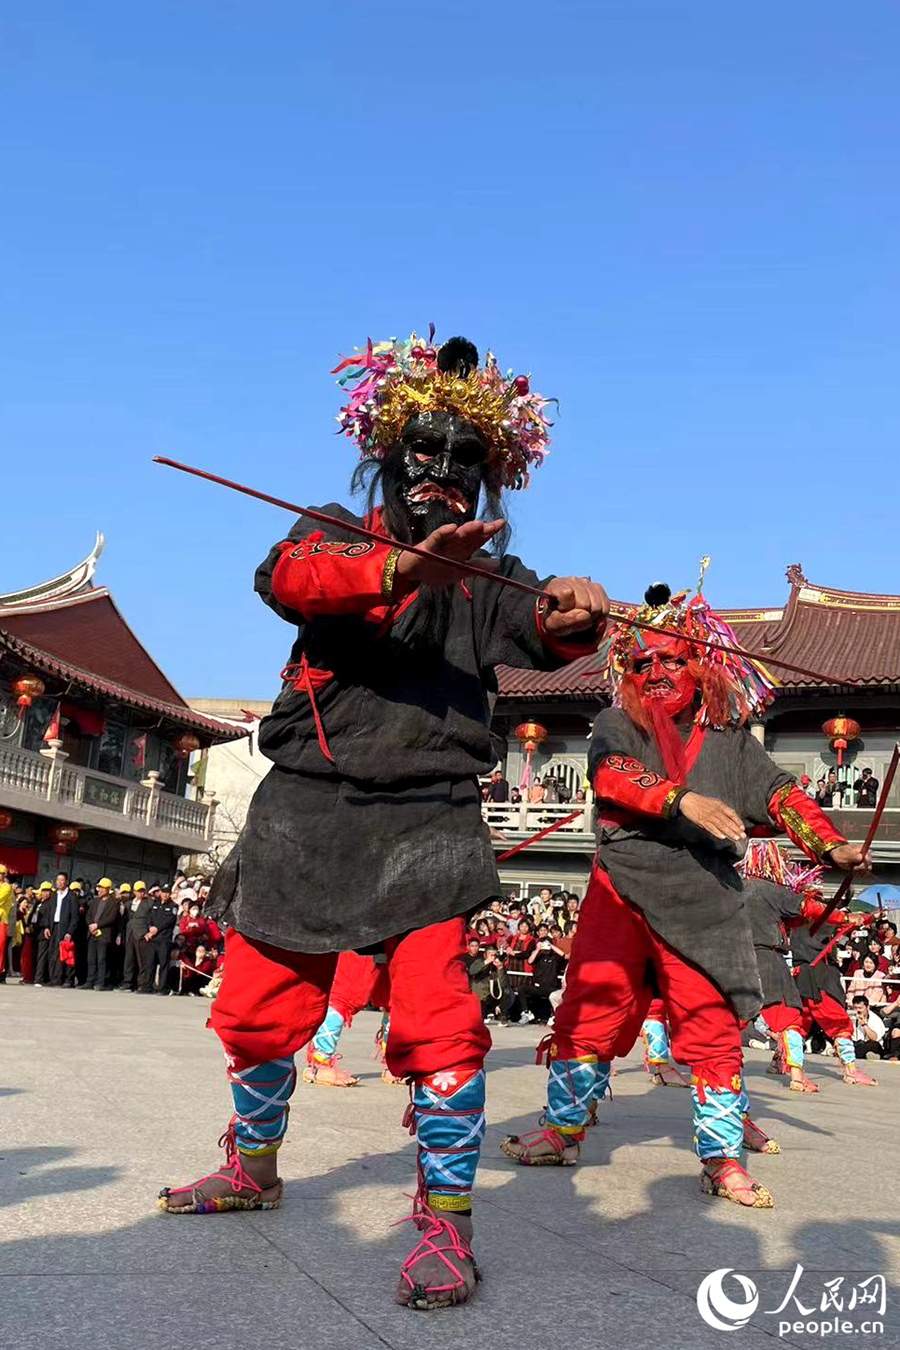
x: 629, y: 784
x: 327, y: 576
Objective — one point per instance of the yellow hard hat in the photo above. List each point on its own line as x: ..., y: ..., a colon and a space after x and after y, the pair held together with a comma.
x: 124, y: 889
x: 4, y: 870
x: 140, y: 885
x: 45, y: 886
x: 105, y: 881
x: 76, y: 886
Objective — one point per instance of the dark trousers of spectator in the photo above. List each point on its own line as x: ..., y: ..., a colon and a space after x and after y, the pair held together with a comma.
x: 99, y: 964
x: 539, y: 1006
x: 61, y: 974
x: 868, y: 1047
x: 42, y: 960
x: 497, y: 1007
x: 137, y: 962
x: 158, y: 964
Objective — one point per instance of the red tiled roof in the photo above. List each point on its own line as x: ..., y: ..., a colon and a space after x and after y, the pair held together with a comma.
x: 85, y: 639
x: 852, y: 634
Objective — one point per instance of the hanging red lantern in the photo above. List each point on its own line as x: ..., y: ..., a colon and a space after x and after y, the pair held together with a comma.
x: 531, y: 735
x: 841, y: 730
x: 186, y: 744
x: 5, y: 821
x: 63, y: 837
x: 27, y: 688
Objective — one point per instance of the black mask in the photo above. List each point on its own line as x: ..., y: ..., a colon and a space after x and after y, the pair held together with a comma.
x: 443, y: 488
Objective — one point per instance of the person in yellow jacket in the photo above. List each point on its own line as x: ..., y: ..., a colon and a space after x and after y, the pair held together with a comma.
x: 7, y: 908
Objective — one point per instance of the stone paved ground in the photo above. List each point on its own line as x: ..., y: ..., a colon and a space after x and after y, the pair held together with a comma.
x: 106, y: 1096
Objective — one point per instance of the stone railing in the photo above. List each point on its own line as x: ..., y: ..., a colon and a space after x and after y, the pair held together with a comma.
x: 527, y: 818
x: 46, y: 784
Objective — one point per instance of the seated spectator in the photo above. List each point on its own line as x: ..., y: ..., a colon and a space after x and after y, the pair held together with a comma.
x: 868, y: 1029
x: 196, y: 972
x: 867, y: 983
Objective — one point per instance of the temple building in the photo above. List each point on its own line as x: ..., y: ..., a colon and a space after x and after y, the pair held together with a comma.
x: 95, y: 741
x: 851, y: 636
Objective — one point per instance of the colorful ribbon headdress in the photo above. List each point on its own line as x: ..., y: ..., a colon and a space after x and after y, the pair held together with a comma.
x: 391, y: 381
x: 751, y: 685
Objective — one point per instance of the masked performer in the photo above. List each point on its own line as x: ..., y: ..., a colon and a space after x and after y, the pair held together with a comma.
x: 782, y: 899
x: 358, y: 981
x: 678, y: 780
x: 367, y: 832
x: 824, y: 1001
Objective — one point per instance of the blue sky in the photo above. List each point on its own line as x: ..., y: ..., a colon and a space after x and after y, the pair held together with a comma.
x: 682, y: 219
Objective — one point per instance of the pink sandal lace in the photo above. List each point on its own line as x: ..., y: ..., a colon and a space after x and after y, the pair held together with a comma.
x: 726, y: 1178
x: 435, y: 1226
x: 856, y: 1078
x: 803, y: 1084
x: 558, y: 1142
x: 314, y: 1067
x: 194, y: 1202
x: 756, y: 1140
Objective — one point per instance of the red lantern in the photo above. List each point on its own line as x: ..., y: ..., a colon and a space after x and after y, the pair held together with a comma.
x: 63, y: 837
x: 531, y: 735
x: 186, y: 744
x: 5, y: 821
x: 842, y: 730
x: 28, y: 688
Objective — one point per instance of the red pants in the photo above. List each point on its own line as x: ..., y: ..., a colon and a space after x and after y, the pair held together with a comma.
x: 272, y: 1001
x: 358, y: 981
x: 831, y: 1017
x: 656, y: 1012
x: 607, y: 994
x: 778, y: 1017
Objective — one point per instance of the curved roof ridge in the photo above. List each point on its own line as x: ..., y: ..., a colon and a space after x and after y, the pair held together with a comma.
x: 61, y: 589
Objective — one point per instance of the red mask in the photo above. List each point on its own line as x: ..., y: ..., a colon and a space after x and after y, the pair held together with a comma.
x: 660, y: 673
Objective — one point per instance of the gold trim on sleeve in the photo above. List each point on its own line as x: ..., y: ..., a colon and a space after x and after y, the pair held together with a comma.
x: 668, y: 805
x: 387, y: 576
x: 800, y: 828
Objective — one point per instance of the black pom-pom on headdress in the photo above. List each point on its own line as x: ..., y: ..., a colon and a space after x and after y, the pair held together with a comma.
x: 658, y: 594
x: 457, y: 356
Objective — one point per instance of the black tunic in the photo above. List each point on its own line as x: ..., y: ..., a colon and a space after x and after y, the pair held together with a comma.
x: 815, y: 980
x: 683, y: 880
x: 389, y: 837
x: 769, y: 903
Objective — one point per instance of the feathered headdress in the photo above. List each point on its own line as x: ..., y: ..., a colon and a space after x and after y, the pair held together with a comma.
x: 750, y: 685
x: 391, y: 381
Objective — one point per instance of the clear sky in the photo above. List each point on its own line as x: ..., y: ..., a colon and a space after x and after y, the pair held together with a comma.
x: 682, y: 219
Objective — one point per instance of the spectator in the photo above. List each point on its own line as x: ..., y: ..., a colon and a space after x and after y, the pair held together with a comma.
x: 551, y: 790
x: 473, y: 952
x: 561, y: 943
x: 28, y: 908
x: 806, y: 784
x: 580, y: 797
x: 195, y: 974
x: 490, y: 984
x: 498, y: 788
x: 569, y: 919
x: 136, y: 971
x: 545, y: 961
x: 65, y: 918
x: 159, y: 939
x: 866, y: 789
x: 888, y: 934
x: 536, y: 793
x: 44, y: 933
x: 102, y: 922
x: 823, y: 794
x: 8, y: 916
x: 515, y: 797
x: 867, y: 983
x: 518, y: 969
x: 868, y: 1029
x: 890, y: 1015
x: 836, y: 787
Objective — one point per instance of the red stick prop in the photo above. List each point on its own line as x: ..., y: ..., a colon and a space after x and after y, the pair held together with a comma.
x: 470, y: 570
x: 541, y: 834
x: 870, y: 835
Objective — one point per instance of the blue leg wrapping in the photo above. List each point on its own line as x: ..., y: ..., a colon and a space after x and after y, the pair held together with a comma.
x: 844, y: 1046
x: 719, y: 1122
x: 383, y: 1032
x: 656, y: 1041
x: 325, y: 1041
x: 792, y: 1048
x: 261, y: 1095
x: 449, y: 1116
x: 601, y: 1086
x: 571, y: 1087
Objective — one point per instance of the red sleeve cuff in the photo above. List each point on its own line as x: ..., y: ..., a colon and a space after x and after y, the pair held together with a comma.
x: 629, y: 784
x: 325, y: 576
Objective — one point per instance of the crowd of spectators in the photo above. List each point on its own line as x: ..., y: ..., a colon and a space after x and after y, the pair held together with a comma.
x: 517, y: 955
x: 832, y: 791
x: 77, y: 934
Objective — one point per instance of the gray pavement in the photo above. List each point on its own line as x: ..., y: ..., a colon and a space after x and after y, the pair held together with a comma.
x: 106, y: 1097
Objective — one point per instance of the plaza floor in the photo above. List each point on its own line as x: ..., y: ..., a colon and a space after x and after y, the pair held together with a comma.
x: 106, y: 1097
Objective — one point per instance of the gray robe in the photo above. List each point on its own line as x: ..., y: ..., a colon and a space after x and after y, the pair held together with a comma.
x: 768, y: 904
x: 682, y: 880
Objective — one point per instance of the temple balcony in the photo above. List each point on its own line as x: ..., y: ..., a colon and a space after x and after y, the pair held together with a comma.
x: 44, y: 784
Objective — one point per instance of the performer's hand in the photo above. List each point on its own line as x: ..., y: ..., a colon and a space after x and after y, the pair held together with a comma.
x: 457, y: 542
x: 850, y: 858
x: 712, y: 815
x: 581, y: 605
